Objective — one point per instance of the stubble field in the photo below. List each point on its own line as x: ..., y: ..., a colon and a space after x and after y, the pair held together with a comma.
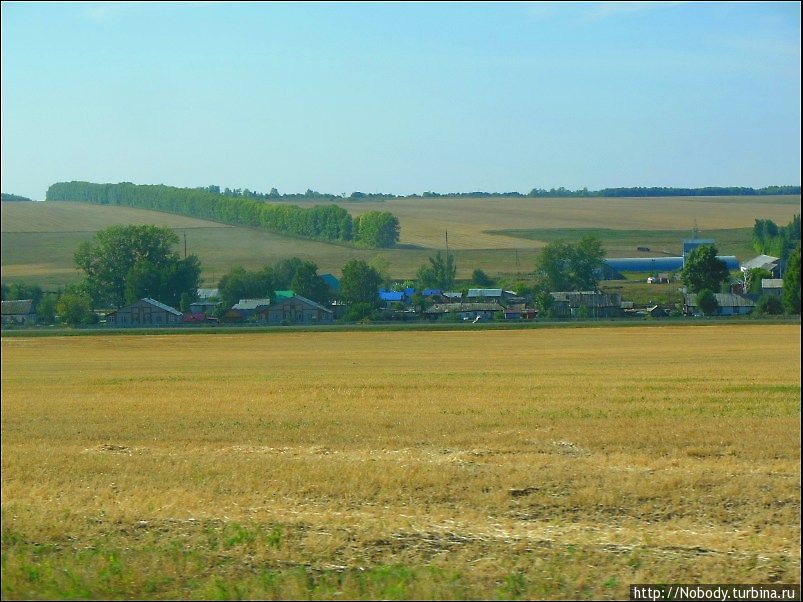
x: 513, y: 464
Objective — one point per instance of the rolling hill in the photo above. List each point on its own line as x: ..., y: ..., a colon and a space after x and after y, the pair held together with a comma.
x: 501, y: 235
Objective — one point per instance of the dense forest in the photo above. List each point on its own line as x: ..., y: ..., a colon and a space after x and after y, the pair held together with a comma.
x: 637, y: 191
x: 5, y: 196
x: 321, y: 222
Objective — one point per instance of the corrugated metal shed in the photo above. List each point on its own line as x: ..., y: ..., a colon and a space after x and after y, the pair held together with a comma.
x: 443, y: 308
x: 207, y: 293
x: 484, y: 293
x: 162, y: 306
x: 723, y: 300
x: 331, y: 281
x: 664, y: 264
x: 20, y: 307
x: 250, y: 304
x: 765, y: 262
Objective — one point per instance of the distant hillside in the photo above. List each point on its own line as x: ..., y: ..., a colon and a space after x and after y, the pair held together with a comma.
x: 5, y: 196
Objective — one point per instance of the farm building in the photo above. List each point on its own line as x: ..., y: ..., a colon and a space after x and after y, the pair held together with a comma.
x: 654, y: 264
x: 772, y: 286
x: 332, y: 283
x: 339, y: 309
x: 492, y: 294
x: 466, y: 311
x: 402, y: 296
x: 207, y: 293
x: 18, y: 312
x: 690, y: 244
x: 202, y: 307
x: 764, y: 262
x: 296, y: 310
x: 248, y: 307
x: 656, y: 311
x: 145, y: 312
x: 596, y: 304
x: 453, y: 296
x: 729, y: 304
x: 519, y: 312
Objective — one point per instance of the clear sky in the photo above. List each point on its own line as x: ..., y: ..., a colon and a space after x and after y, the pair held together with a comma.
x: 400, y: 97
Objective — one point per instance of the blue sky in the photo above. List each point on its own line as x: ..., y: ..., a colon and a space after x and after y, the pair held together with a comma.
x: 400, y: 97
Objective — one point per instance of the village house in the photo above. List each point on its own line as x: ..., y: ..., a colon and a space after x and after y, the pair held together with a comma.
x: 204, y: 294
x: 772, y: 286
x: 728, y: 305
x: 466, y: 311
x: 764, y: 262
x: 295, y: 310
x: 18, y: 312
x: 497, y: 295
x: 332, y: 283
x: 203, y: 307
x: 145, y: 312
x: 249, y: 307
x: 594, y: 304
x: 519, y: 312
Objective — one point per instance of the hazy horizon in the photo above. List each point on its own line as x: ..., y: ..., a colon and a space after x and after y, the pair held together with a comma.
x: 401, y: 98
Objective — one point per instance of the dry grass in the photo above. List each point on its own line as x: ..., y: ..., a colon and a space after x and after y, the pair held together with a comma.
x: 515, y: 464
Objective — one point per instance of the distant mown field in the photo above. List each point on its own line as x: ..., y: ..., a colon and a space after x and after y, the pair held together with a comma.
x: 400, y: 465
x: 501, y: 236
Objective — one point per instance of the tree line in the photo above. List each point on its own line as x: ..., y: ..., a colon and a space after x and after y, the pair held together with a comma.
x: 778, y: 241
x: 321, y: 222
x: 6, y: 196
x: 632, y: 191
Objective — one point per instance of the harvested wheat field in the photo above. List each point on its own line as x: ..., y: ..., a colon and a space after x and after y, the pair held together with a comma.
x: 546, y: 463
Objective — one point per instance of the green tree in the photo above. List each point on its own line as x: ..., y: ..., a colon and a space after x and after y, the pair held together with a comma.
x: 440, y: 273
x: 184, y: 303
x: 790, y: 294
x: 285, y: 270
x: 20, y: 290
x: 769, y: 305
x: 123, y: 262
x: 586, y: 263
x: 707, y: 302
x: 307, y: 283
x: 360, y: 283
x: 75, y: 308
x: 378, y: 229
x: 480, y: 278
x: 239, y: 283
x: 46, y: 310
x: 702, y: 270
x: 753, y: 279
x: 564, y: 266
x: 543, y: 300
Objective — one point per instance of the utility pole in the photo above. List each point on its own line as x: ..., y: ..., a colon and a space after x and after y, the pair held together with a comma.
x: 185, y: 244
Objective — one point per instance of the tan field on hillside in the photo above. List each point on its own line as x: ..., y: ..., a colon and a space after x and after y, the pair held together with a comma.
x: 547, y: 463
x: 423, y: 221
x: 40, y: 239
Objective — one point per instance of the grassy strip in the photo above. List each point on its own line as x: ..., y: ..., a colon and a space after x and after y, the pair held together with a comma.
x: 395, y: 326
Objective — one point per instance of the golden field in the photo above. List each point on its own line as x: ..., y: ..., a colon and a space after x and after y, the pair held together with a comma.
x: 541, y: 463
